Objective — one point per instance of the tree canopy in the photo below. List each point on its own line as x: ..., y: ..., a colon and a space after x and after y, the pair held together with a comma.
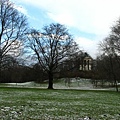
x: 52, y: 46
x: 13, y: 26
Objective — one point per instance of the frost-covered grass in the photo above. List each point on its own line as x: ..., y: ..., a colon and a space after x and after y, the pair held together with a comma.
x: 42, y: 104
x: 58, y: 84
x: 79, y: 84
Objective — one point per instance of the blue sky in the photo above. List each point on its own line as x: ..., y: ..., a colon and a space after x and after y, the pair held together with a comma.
x: 89, y: 21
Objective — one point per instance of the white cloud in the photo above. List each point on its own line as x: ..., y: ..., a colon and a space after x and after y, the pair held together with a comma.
x: 88, y: 45
x: 89, y: 16
x: 68, y: 20
x: 92, y: 16
x: 21, y: 9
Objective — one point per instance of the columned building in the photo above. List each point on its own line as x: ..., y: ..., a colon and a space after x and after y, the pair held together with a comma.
x: 86, y: 64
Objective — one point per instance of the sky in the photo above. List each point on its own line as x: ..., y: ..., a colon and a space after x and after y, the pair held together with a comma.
x: 89, y: 21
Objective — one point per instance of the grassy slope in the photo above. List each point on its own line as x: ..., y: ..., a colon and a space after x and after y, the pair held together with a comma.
x: 41, y: 104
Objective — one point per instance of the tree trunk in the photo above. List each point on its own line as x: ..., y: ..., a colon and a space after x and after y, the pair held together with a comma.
x: 114, y: 76
x: 50, y: 84
x: 116, y: 85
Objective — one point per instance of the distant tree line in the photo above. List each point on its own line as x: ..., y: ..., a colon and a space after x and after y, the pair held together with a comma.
x: 14, y: 71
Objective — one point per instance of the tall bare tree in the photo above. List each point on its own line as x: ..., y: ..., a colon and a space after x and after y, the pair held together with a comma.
x: 13, y: 25
x: 52, y: 47
x: 110, y: 47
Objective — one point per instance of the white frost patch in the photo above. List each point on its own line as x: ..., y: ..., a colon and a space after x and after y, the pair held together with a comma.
x: 21, y: 84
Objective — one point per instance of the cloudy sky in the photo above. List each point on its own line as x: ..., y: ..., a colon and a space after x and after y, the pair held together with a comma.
x: 89, y: 21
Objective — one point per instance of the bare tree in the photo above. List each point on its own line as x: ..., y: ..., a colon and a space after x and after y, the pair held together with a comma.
x: 110, y: 47
x: 52, y: 47
x: 13, y: 25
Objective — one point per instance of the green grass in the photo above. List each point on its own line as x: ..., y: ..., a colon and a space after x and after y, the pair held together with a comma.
x: 43, y: 104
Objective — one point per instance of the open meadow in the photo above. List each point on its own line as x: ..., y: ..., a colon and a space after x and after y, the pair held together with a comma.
x: 41, y: 104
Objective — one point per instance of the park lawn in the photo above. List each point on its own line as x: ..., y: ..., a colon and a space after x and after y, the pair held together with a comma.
x: 43, y: 104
